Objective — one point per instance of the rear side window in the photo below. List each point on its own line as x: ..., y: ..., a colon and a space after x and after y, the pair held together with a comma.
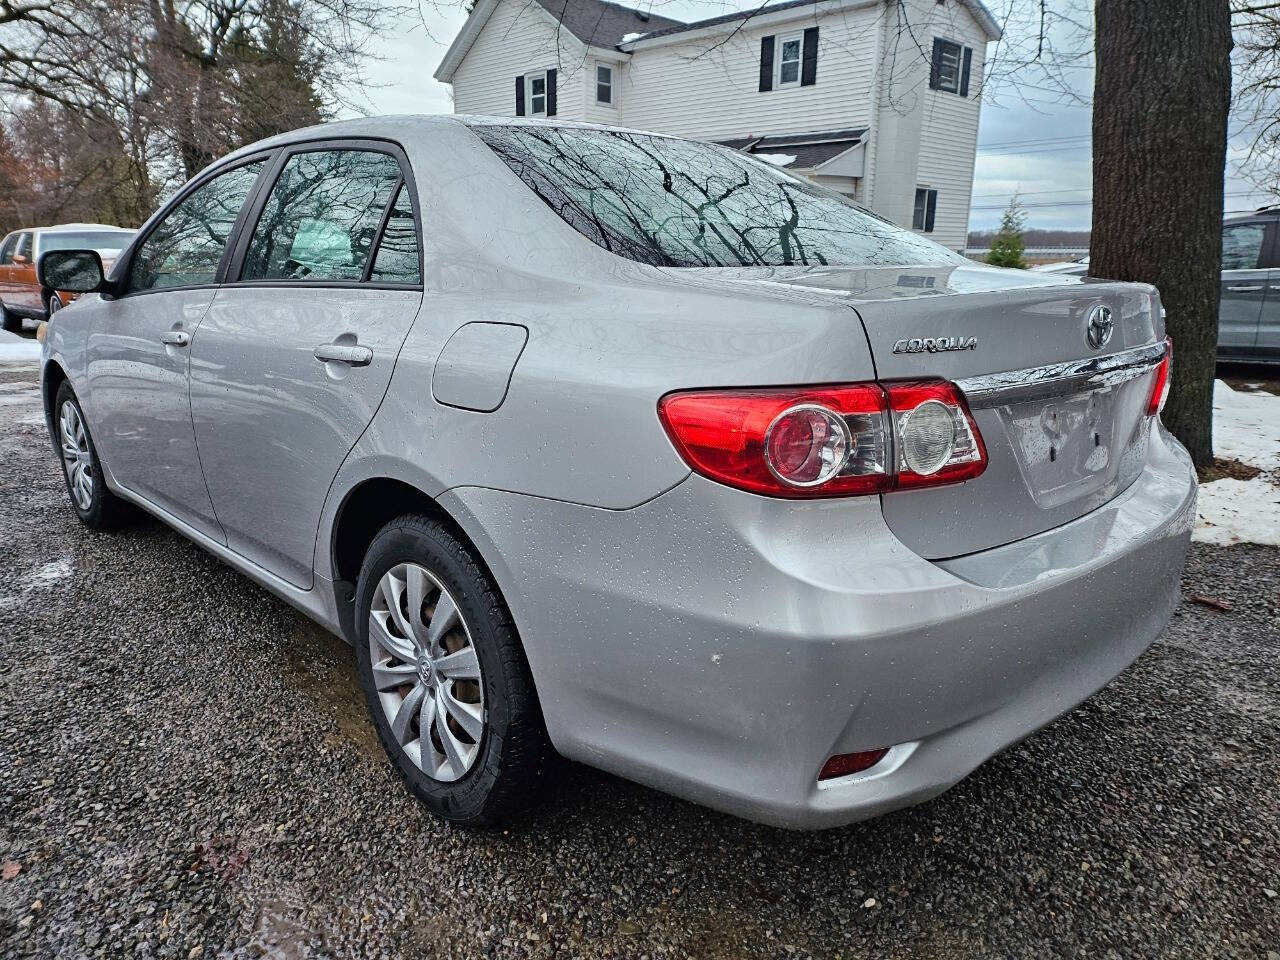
x: 185, y: 248
x: 1242, y: 246
x: 24, y: 246
x: 8, y: 247
x: 397, y: 257
x: 321, y: 219
x: 678, y: 203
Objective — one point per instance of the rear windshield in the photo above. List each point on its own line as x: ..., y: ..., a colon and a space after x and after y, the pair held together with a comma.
x: 677, y: 203
x: 85, y: 240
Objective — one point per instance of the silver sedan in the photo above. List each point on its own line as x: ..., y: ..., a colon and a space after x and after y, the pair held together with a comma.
x: 635, y: 450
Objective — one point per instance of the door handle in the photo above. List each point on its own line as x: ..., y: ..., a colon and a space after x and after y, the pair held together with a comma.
x: 1247, y: 288
x: 175, y: 338
x: 344, y: 353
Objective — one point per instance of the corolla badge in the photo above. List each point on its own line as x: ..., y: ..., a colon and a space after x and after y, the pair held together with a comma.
x: 1099, y: 326
x: 935, y: 344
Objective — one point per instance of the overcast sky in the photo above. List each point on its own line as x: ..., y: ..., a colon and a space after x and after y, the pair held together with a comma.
x: 1040, y: 150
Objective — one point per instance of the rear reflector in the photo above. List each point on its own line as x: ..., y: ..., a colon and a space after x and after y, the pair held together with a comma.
x: 843, y: 764
x: 863, y: 438
x: 1160, y: 385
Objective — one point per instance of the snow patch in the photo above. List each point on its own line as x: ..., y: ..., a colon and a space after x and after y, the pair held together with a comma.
x: 1246, y: 427
x: 1238, y: 511
x: 19, y: 350
x: 777, y: 159
x: 52, y: 572
x: 628, y: 37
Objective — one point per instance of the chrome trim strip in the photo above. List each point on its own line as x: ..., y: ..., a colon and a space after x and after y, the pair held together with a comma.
x: 1057, y: 379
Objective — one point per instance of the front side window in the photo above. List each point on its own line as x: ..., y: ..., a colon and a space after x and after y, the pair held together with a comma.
x: 948, y: 66
x: 677, y: 203
x: 789, y: 60
x: 537, y: 93
x: 186, y: 247
x: 321, y: 217
x: 397, y: 259
x: 1242, y: 246
x: 604, y: 83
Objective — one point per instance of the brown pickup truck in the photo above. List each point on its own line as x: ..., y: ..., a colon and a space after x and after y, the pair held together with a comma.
x: 20, y: 295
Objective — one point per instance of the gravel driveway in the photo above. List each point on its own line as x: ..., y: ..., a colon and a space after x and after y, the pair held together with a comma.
x: 186, y: 771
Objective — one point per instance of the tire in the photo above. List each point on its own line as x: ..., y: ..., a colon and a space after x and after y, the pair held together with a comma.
x: 52, y: 306
x: 100, y: 509
x: 10, y: 321
x: 510, y: 758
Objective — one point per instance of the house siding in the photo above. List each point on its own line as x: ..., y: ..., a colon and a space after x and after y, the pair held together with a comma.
x: 519, y: 37
x: 949, y: 128
x: 709, y: 88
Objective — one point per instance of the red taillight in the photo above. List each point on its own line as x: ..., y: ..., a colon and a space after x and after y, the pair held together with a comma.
x: 827, y: 441
x: 843, y: 764
x: 1160, y: 385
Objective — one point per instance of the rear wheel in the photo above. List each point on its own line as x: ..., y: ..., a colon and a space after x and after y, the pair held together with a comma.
x: 445, y: 677
x: 54, y: 305
x: 94, y: 504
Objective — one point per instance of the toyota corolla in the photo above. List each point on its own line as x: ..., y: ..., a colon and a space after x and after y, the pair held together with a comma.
x: 637, y: 450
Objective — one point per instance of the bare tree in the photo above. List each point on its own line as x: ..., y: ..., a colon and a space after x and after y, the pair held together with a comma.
x: 1256, y: 109
x: 187, y: 81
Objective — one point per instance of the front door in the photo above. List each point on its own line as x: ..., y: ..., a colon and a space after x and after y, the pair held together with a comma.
x: 25, y: 290
x: 138, y: 398
x: 291, y: 362
x: 1244, y: 287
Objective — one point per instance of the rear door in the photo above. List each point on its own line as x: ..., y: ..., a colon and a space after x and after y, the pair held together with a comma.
x: 294, y: 357
x: 1244, y: 286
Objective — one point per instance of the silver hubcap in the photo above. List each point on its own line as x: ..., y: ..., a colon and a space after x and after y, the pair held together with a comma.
x: 76, y: 456
x: 426, y: 672
x: 55, y: 305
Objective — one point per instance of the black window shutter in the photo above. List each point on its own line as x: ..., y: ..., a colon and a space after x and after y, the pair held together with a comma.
x: 766, y: 63
x: 519, y: 96
x: 964, y: 71
x: 809, y: 61
x: 551, y: 93
x: 935, y: 71
x: 931, y: 208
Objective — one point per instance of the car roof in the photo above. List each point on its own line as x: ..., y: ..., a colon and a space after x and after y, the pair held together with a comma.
x: 72, y: 227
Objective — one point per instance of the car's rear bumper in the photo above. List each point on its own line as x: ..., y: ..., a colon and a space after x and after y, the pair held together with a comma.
x: 721, y: 646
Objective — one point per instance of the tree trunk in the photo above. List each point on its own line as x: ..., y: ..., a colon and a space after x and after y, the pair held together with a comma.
x: 1161, y: 97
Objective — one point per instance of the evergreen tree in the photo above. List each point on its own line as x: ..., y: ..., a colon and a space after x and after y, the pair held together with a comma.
x: 1008, y: 247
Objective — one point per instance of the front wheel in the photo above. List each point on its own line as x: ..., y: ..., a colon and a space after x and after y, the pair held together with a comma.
x: 445, y: 677
x: 95, y: 505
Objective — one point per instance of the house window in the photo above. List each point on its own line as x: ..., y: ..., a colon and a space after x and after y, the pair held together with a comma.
x: 789, y: 50
x: 949, y: 71
x: 604, y: 83
x: 537, y: 94
x: 926, y: 208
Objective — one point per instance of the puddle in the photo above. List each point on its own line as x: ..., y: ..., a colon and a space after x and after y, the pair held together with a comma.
x: 323, y: 668
x: 280, y: 937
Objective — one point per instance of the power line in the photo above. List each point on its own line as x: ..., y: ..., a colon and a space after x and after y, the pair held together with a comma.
x: 1037, y: 140
x: 1089, y: 202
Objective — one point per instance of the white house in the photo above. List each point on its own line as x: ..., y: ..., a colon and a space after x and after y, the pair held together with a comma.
x: 878, y: 99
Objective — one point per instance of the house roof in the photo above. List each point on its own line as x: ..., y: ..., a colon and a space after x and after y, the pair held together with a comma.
x: 808, y: 150
x: 975, y: 7
x: 600, y: 24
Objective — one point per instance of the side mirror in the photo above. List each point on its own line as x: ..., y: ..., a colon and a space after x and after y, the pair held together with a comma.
x: 76, y: 271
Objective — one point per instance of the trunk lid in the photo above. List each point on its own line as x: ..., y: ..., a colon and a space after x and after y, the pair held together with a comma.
x: 1063, y: 419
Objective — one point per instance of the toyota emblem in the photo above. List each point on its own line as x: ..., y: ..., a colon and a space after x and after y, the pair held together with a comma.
x: 1099, y: 327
